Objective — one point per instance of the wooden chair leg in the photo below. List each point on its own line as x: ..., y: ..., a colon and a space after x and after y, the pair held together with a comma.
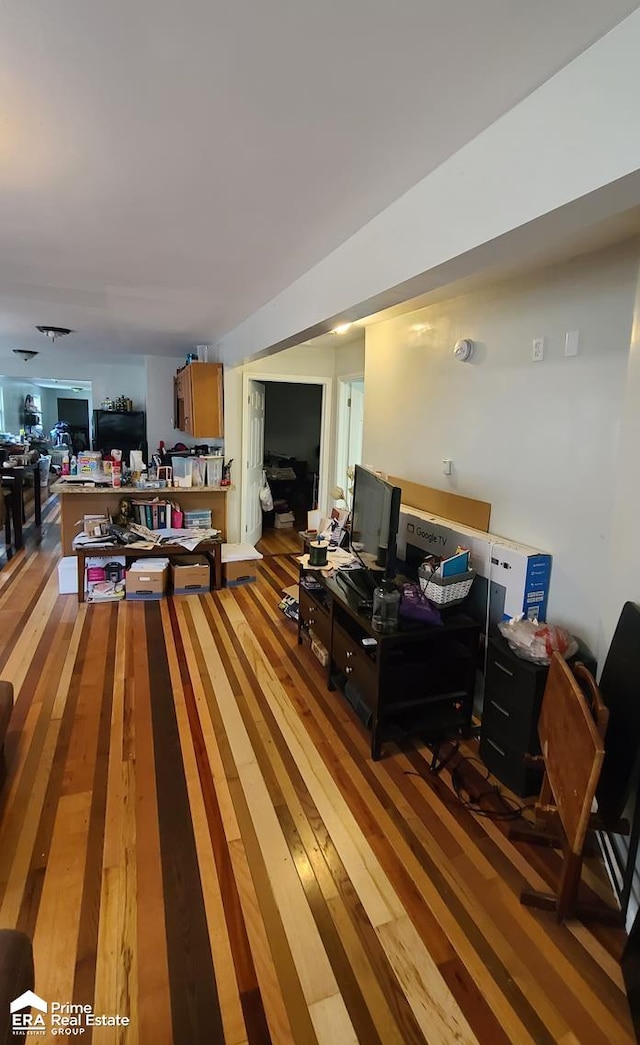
x: 568, y: 885
x: 7, y: 521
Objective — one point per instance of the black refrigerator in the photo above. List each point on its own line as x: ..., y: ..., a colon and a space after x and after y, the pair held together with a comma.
x: 120, y: 430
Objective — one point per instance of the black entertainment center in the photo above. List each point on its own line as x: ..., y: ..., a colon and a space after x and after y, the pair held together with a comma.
x: 418, y: 680
x: 415, y: 679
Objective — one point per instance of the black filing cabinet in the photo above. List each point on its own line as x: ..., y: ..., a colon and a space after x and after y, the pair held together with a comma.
x: 512, y: 700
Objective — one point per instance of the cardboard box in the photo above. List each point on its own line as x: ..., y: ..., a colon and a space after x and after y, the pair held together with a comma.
x: 239, y: 564
x: 284, y: 520
x: 191, y: 574
x: 147, y: 580
x: 511, y: 579
x: 89, y: 462
x: 68, y: 575
x: 236, y: 573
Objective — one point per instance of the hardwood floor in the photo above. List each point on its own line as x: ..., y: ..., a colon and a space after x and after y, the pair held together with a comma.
x: 194, y: 835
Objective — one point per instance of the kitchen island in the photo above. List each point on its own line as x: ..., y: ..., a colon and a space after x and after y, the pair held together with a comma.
x: 78, y: 500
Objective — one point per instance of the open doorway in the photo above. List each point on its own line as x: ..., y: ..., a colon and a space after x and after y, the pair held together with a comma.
x: 285, y: 433
x: 75, y: 414
x: 350, y: 419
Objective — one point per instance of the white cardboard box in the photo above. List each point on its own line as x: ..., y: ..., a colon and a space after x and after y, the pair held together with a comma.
x: 516, y: 577
x: 68, y: 575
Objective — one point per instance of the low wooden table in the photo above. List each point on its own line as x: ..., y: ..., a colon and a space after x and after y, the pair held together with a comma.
x: 212, y: 550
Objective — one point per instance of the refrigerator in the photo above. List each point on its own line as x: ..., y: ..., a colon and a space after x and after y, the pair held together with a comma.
x: 120, y: 430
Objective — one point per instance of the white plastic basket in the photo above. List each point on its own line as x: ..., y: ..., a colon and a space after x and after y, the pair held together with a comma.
x: 445, y: 591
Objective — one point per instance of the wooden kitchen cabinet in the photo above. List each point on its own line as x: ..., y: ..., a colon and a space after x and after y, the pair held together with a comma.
x: 198, y: 400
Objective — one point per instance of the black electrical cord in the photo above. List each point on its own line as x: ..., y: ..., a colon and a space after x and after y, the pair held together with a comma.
x: 473, y: 800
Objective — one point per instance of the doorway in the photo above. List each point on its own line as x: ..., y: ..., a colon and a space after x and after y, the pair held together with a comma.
x: 75, y: 413
x: 285, y: 427
x: 349, y: 430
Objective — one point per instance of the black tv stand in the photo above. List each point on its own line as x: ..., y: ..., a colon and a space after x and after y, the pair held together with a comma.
x: 418, y: 679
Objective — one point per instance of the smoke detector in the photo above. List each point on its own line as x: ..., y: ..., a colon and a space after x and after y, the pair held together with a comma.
x: 25, y: 353
x: 54, y: 332
x: 463, y: 350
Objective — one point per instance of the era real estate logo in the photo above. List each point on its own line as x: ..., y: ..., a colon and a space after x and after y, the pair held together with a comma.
x: 65, y: 1019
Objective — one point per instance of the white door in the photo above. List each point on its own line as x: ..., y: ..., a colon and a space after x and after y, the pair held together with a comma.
x: 255, y: 456
x: 350, y: 423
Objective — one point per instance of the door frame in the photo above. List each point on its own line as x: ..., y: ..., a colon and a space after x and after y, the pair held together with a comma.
x: 343, y: 413
x: 324, y: 464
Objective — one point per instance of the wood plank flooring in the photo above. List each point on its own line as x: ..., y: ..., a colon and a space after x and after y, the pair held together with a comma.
x: 194, y: 835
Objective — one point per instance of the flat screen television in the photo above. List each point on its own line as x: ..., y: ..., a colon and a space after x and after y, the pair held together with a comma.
x: 374, y: 522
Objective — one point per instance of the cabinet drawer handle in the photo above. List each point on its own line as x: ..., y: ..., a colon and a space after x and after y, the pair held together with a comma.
x: 498, y: 749
x: 312, y: 620
x: 499, y: 707
x: 502, y: 668
x: 349, y: 652
x: 348, y: 669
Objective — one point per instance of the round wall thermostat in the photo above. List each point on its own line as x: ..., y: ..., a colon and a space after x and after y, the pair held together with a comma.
x: 463, y: 350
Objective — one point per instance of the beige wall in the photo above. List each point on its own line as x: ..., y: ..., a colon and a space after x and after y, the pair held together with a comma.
x: 540, y: 441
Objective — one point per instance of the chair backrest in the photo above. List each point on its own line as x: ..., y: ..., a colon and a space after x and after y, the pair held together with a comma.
x: 593, y: 696
x: 620, y: 688
x: 572, y: 748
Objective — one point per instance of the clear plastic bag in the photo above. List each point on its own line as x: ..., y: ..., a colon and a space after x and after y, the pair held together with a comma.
x: 266, y: 497
x: 536, y: 642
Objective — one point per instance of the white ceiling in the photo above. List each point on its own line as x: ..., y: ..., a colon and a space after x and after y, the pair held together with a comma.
x: 166, y: 169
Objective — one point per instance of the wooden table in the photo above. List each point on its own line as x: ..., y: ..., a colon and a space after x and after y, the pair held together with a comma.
x: 13, y: 480
x: 211, y: 549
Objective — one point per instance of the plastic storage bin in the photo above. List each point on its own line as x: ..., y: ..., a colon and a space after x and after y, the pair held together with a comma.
x: 213, y: 469
x: 182, y: 471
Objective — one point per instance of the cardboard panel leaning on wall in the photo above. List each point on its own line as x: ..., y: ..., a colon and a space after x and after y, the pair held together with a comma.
x: 536, y: 440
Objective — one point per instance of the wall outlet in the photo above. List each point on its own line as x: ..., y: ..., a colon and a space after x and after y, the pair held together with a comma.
x: 537, y: 350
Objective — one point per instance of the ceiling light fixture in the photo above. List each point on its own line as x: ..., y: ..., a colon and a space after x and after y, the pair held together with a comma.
x: 342, y: 328
x: 25, y: 353
x: 54, y: 332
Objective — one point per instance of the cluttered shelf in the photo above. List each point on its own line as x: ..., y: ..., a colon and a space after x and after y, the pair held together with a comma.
x: 77, y: 500
x: 208, y: 550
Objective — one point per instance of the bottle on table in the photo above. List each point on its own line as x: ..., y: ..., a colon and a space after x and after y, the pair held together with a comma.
x: 386, y: 603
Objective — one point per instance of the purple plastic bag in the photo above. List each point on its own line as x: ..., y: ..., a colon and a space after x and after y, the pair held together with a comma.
x: 414, y: 605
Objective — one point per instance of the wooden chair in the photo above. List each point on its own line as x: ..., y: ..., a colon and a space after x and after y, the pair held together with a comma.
x: 571, y: 737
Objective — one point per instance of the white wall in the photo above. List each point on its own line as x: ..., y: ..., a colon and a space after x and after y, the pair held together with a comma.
x: 539, y: 441
x: 13, y: 396
x: 108, y: 379
x: 50, y: 398
x: 570, y: 138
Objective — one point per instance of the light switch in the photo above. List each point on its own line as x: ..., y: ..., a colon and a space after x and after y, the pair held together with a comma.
x: 571, y: 343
